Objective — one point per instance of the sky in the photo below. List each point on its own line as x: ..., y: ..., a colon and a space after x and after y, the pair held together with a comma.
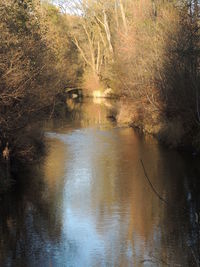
x: 68, y: 6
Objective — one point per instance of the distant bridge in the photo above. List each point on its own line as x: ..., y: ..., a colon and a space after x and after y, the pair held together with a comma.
x: 74, y: 92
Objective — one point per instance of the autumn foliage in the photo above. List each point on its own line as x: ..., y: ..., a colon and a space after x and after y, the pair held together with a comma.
x: 35, y: 64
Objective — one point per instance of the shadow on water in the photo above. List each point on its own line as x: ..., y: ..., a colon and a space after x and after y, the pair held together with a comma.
x: 87, y: 203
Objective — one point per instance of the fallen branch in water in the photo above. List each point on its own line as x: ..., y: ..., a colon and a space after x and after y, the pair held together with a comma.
x: 197, y: 261
x: 151, y: 185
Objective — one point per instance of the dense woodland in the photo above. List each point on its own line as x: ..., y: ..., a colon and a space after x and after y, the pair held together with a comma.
x: 147, y: 51
x: 36, y: 58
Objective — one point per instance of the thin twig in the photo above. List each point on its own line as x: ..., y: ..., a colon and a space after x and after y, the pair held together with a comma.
x: 53, y: 107
x: 167, y: 203
x: 151, y: 185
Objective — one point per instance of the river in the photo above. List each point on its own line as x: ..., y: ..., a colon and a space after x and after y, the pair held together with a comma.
x: 88, y: 203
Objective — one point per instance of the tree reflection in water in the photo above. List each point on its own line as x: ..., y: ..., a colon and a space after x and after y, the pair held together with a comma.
x: 88, y: 202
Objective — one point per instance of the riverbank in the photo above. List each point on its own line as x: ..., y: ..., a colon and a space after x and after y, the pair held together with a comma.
x: 173, y: 132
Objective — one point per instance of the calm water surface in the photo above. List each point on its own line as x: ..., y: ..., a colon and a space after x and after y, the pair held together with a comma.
x: 89, y: 204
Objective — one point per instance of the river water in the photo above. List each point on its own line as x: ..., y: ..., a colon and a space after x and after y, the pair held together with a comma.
x: 88, y: 203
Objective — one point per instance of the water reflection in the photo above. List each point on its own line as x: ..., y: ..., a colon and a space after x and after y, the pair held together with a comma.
x: 89, y: 204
